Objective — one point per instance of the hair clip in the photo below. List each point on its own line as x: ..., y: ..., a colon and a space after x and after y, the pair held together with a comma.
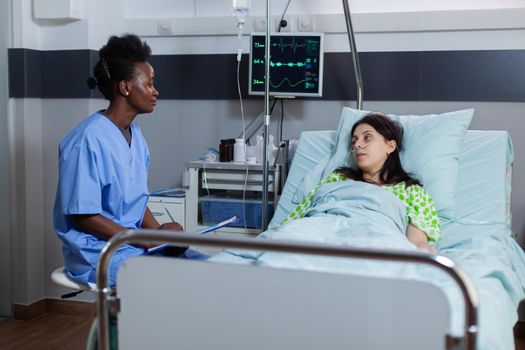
x: 105, y: 65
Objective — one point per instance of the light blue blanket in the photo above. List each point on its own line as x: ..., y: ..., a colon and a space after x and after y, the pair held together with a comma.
x: 358, y: 214
x: 348, y: 213
x: 496, y: 264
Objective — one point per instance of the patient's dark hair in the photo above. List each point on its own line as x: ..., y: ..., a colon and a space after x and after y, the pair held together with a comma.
x: 392, y: 171
x: 115, y: 63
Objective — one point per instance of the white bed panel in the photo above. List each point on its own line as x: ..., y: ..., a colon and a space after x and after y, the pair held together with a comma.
x: 200, y: 305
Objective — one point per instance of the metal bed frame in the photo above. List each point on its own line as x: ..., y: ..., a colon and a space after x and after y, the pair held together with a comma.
x: 107, y: 303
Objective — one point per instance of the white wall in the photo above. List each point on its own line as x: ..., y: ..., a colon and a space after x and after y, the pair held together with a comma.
x: 101, y: 19
x: 41, y: 124
x: 207, y: 8
x: 5, y: 239
x: 27, y: 201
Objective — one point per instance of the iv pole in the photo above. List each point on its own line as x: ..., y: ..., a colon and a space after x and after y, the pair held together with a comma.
x: 266, y: 120
x: 359, y: 100
x: 355, y: 56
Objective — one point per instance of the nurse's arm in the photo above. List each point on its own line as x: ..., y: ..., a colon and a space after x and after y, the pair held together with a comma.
x: 149, y: 221
x: 101, y: 227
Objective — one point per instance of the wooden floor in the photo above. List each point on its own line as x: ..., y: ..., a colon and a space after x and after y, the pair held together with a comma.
x: 57, y: 332
x: 62, y: 332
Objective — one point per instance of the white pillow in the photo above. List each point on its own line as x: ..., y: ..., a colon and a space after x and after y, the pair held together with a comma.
x: 431, y: 147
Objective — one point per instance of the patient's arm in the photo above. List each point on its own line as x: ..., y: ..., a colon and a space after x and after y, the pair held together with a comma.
x: 299, y: 211
x: 419, y: 238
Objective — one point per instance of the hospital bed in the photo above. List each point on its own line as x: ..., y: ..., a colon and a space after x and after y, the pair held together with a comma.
x: 168, y: 303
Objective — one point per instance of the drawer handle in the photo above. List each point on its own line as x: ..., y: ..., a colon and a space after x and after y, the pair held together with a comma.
x: 155, y: 213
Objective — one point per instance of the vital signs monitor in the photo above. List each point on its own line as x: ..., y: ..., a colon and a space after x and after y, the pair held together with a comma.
x: 296, y: 65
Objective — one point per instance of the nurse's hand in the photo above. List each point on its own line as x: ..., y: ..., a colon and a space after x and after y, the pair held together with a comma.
x: 171, y: 226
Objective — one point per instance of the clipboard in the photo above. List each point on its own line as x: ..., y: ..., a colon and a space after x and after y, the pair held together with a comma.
x: 215, y: 227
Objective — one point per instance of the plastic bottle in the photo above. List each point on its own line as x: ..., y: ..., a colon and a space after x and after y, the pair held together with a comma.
x: 239, y: 151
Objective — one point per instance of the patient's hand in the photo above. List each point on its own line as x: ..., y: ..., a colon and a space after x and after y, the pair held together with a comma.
x: 425, y: 248
x: 419, y: 239
x: 171, y: 226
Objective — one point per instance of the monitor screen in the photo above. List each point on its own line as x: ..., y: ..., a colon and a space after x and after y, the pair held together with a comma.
x: 296, y: 65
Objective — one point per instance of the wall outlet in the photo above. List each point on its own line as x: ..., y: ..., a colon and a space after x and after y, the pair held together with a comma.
x: 305, y: 23
x: 289, y: 26
x: 259, y: 24
x: 164, y: 26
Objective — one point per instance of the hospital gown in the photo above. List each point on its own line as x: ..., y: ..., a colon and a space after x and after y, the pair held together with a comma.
x: 420, y: 209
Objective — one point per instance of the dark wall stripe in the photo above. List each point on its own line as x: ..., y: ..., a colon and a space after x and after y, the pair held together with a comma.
x: 494, y: 75
x: 50, y: 74
x: 25, y: 73
x: 198, y: 76
x: 63, y: 73
x: 473, y: 75
x: 387, y: 76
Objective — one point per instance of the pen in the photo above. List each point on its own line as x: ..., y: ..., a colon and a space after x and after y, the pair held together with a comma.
x: 162, y: 246
x: 167, y: 211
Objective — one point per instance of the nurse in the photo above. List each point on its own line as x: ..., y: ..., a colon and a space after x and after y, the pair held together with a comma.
x: 103, y: 165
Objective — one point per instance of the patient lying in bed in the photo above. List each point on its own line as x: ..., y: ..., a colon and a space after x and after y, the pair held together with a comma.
x: 383, y: 208
x: 375, y: 144
x: 376, y: 206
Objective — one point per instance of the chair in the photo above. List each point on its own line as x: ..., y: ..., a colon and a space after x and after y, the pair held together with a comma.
x: 62, y: 279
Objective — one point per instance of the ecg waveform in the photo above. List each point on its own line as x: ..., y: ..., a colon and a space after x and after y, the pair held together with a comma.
x: 286, y: 80
x: 289, y: 64
x: 283, y: 45
x: 294, y: 45
x: 308, y: 85
x: 281, y: 64
x: 273, y: 64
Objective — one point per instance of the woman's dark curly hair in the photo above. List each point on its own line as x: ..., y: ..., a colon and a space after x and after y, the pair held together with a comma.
x: 115, y: 63
x: 392, y: 171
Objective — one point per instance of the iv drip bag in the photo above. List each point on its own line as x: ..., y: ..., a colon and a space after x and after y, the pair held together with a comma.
x: 240, y: 9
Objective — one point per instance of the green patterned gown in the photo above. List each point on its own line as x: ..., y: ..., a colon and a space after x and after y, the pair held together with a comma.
x: 421, y: 212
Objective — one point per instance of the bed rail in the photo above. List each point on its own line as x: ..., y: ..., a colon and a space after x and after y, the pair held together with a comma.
x: 104, y: 292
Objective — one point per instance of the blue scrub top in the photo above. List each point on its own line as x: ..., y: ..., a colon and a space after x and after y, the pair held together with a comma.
x: 99, y: 173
